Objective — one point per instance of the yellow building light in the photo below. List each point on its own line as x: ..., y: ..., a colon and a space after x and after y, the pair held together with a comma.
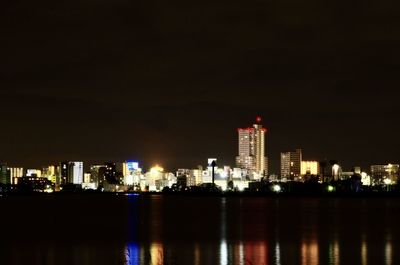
x: 156, y: 169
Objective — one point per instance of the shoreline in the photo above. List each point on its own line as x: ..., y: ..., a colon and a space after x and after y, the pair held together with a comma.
x: 337, y: 195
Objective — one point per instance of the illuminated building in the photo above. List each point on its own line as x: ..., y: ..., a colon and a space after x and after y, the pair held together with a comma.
x: 309, y: 168
x: 132, y: 173
x: 384, y: 173
x: 4, y: 176
x: 197, y: 174
x: 87, y: 178
x: 182, y: 172
x: 76, y: 173
x: 114, y: 172
x: 343, y: 175
x: 365, y: 179
x: 111, y: 171
x: 97, y: 174
x: 206, y: 176
x: 240, y: 185
x: 182, y: 182
x: 33, y: 172
x: 88, y: 182
x: 285, y: 165
x: 238, y: 173
x: 129, y: 167
x: 71, y: 173
x: 154, y: 178
x: 336, y: 172
x: 15, y: 173
x: 64, y: 167
x: 35, y: 184
x: 251, y: 143
x: 357, y: 170
x: 291, y: 164
x: 50, y: 173
x: 187, y: 174
x: 222, y: 175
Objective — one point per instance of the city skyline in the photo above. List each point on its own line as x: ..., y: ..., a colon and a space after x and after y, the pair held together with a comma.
x: 115, y: 86
x: 252, y: 155
x: 200, y: 132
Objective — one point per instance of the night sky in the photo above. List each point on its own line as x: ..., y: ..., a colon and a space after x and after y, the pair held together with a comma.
x: 170, y: 81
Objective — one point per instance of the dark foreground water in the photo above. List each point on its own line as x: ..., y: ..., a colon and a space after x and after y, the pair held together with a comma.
x: 98, y: 229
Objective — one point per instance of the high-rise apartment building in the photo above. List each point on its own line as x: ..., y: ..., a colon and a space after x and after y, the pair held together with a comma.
x: 291, y: 164
x: 64, y: 166
x: 15, y: 173
x: 4, y: 176
x: 77, y: 172
x: 251, y: 143
x: 380, y: 173
x: 71, y: 172
x: 114, y: 172
x: 97, y: 173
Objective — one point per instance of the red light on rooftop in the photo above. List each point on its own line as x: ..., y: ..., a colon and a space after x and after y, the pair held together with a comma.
x: 258, y: 119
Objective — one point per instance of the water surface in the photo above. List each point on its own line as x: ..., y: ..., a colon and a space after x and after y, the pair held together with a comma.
x: 85, y: 229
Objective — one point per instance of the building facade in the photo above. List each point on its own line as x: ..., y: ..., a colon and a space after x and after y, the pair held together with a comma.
x: 291, y: 164
x: 76, y: 173
x: 251, y: 145
x: 97, y: 175
x: 385, y: 173
x: 310, y: 168
x: 15, y: 173
x: 71, y: 172
x: 4, y: 176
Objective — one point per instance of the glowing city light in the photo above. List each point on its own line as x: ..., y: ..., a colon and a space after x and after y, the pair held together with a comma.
x: 387, y: 181
x: 276, y: 188
x: 156, y: 169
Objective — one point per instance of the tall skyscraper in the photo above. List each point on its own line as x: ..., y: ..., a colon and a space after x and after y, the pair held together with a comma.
x: 76, y: 172
x: 15, y: 173
x: 98, y: 173
x: 63, y: 173
x: 252, y: 149
x: 114, y: 172
x: 291, y: 164
x: 71, y: 172
x: 4, y: 176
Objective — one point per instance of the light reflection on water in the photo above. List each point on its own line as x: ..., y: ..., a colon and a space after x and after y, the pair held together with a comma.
x: 277, y: 254
x: 240, y: 253
x: 334, y: 252
x: 388, y: 250
x: 204, y: 230
x: 261, y: 231
x: 364, y: 251
x: 224, y: 247
x: 309, y: 252
x: 197, y: 254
